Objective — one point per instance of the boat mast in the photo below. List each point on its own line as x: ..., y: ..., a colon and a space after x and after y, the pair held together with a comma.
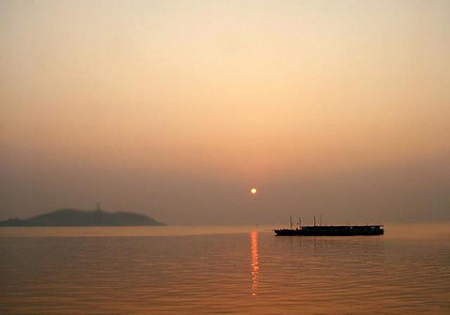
x: 291, y: 221
x: 314, y: 220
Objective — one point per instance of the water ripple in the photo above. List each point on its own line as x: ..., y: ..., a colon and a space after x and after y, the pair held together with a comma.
x: 240, y: 272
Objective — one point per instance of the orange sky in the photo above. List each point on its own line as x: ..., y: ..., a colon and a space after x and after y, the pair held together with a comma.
x: 182, y: 96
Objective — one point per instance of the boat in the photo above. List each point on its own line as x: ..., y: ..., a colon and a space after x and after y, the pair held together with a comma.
x: 331, y: 230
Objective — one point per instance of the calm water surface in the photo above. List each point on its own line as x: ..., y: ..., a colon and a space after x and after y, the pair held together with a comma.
x: 245, y: 270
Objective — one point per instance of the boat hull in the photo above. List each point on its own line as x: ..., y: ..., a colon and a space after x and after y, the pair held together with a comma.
x: 332, y: 231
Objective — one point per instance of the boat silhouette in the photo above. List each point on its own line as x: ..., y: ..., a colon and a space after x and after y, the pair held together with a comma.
x: 330, y: 230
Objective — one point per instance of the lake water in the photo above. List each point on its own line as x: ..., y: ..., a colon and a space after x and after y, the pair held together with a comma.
x: 244, y: 270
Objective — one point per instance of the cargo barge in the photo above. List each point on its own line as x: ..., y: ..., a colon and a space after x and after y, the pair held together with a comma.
x: 331, y: 230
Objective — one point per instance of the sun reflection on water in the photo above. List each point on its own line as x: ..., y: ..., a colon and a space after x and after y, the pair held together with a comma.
x: 255, y: 262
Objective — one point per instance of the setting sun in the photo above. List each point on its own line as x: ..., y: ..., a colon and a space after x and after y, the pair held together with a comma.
x: 253, y: 191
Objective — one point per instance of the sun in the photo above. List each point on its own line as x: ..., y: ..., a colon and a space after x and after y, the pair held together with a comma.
x: 253, y: 191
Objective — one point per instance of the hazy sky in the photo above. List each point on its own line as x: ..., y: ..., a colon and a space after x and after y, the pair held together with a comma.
x: 176, y: 109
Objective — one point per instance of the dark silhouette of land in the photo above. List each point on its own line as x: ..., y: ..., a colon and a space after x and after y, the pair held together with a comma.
x: 73, y: 217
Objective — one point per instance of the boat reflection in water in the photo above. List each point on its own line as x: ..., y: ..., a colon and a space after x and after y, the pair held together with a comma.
x: 255, y: 262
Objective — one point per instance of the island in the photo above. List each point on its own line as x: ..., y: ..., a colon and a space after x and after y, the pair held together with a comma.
x: 74, y: 217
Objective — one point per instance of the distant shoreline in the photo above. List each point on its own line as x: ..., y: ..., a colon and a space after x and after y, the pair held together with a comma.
x: 83, y: 218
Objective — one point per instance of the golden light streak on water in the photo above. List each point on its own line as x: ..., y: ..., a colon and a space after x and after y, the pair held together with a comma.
x: 255, y: 262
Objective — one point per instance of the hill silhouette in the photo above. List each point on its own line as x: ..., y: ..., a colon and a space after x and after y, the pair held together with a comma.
x: 74, y: 217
